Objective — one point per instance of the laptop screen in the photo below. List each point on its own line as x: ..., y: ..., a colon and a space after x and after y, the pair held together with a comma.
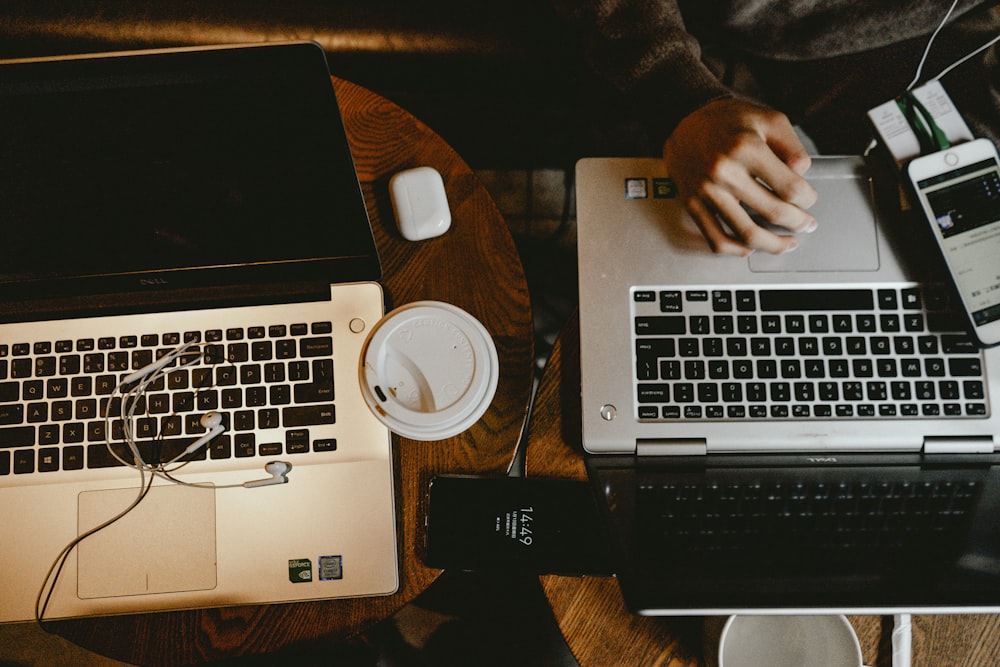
x: 176, y: 169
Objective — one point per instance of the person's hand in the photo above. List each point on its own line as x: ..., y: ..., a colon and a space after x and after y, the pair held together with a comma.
x: 731, y: 153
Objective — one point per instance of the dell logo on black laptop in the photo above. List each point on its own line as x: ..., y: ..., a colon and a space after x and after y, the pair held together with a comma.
x: 151, y: 282
x: 821, y: 459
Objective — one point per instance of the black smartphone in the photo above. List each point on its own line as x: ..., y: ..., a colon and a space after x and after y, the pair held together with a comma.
x: 514, y: 524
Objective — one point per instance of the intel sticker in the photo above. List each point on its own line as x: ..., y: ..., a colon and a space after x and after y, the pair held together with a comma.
x: 300, y: 570
x: 331, y: 567
x: 636, y: 188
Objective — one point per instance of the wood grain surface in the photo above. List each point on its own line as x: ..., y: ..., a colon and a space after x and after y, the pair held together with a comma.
x: 475, y: 266
x: 591, y: 613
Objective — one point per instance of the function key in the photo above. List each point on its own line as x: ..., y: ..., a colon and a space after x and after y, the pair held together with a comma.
x: 213, y: 336
x: 300, y: 329
x: 722, y: 301
x: 172, y: 338
x: 644, y: 296
x: 192, y: 336
x: 256, y: 332
x: 85, y: 345
x: 234, y: 333
x: 21, y: 349
x: 43, y: 348
x: 149, y: 340
x: 64, y: 346
x: 670, y: 301
x: 277, y: 331
x: 128, y: 341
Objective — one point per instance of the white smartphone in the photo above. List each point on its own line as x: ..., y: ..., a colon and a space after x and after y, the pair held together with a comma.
x: 959, y: 192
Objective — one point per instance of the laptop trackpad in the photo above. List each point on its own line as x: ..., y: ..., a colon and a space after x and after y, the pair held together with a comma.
x: 165, y: 545
x: 846, y: 239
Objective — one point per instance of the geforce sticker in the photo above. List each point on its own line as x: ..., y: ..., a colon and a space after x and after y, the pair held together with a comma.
x: 300, y: 570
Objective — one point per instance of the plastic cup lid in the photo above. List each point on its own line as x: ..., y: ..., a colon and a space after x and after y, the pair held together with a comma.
x: 429, y: 370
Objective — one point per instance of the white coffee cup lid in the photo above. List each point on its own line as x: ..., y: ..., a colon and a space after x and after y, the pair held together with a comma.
x: 429, y: 370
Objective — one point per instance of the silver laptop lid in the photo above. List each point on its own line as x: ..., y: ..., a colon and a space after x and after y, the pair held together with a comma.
x: 635, y: 243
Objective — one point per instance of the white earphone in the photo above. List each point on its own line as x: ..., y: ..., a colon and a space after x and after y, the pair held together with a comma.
x: 211, y: 421
x: 278, y: 471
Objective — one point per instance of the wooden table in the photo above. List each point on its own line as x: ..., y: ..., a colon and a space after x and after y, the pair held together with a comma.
x: 474, y: 266
x: 592, y: 615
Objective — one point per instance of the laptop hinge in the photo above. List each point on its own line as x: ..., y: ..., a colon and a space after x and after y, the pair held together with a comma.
x: 671, y: 447
x: 982, y: 444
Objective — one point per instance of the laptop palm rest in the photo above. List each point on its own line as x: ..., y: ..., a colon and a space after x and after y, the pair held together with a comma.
x: 165, y: 545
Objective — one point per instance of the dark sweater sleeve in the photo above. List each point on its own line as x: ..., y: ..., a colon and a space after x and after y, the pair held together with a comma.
x: 643, y: 49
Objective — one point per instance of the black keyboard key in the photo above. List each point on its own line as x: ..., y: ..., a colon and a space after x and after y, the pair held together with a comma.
x: 722, y: 301
x: 98, y: 456
x: 964, y: 367
x: 325, y: 445
x: 670, y: 301
x: 11, y: 414
x: 297, y: 441
x: 24, y: 461
x: 310, y: 415
x: 72, y: 457
x: 665, y: 325
x: 9, y: 392
x: 313, y: 392
x: 244, y: 445
x: 772, y: 300
x: 17, y: 436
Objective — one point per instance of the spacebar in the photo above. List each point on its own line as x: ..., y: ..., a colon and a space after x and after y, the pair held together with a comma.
x: 806, y: 299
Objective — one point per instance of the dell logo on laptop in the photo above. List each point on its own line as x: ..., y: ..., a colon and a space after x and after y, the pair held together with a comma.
x: 821, y: 459
x: 149, y: 282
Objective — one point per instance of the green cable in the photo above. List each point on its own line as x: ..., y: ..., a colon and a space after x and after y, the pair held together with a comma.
x: 931, y: 137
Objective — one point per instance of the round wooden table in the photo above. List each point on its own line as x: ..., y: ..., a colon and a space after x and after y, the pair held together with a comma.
x: 590, y: 611
x: 475, y: 266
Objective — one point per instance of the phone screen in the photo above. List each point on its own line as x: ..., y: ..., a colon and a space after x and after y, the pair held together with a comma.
x: 514, y: 524
x: 964, y: 204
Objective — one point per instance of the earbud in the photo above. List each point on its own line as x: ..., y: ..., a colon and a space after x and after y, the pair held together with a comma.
x: 148, y: 370
x: 278, y: 471
x: 211, y: 421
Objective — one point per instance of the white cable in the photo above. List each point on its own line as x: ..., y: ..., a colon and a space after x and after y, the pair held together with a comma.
x: 971, y: 55
x: 930, y: 42
x: 902, y: 639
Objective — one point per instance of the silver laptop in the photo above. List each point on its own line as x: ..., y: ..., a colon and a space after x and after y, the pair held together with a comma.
x: 203, y: 199
x: 838, y: 364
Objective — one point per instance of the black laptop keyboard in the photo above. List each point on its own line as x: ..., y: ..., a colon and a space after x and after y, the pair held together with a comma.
x: 829, y: 517
x: 272, y: 379
x: 705, y: 353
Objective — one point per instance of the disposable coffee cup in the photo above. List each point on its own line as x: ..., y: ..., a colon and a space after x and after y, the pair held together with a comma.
x: 429, y: 370
x: 804, y: 641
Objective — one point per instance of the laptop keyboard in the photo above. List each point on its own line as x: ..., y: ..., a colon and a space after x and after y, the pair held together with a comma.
x: 707, y: 353
x: 271, y: 383
x: 825, y: 516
